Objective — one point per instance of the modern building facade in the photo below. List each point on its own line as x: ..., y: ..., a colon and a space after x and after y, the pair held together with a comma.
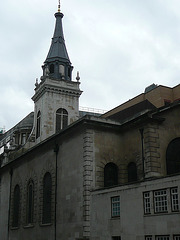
x: 114, y: 176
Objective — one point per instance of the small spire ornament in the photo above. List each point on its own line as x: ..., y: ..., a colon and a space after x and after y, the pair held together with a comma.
x: 59, y: 6
x: 77, y: 77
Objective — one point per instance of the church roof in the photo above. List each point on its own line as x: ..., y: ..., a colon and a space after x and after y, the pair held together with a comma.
x: 58, y: 49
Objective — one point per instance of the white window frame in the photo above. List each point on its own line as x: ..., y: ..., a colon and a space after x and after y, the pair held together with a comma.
x: 176, y: 237
x: 162, y: 238
x: 161, y: 201
x: 115, y: 206
x: 148, y: 237
x: 147, y: 202
x: 174, y: 199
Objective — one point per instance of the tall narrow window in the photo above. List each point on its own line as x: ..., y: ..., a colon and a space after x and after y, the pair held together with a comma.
x: 47, y: 194
x: 51, y: 68
x: 110, y: 175
x: 174, y: 199
x: 115, y: 206
x: 38, y: 124
x: 132, y: 172
x: 147, y: 203
x: 61, y: 119
x: 30, y: 202
x: 16, y: 207
x: 173, y: 157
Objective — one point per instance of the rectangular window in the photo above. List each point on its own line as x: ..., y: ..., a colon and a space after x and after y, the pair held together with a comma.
x: 116, y: 238
x: 115, y: 206
x: 176, y: 237
x: 148, y: 237
x: 160, y: 202
x: 174, y: 199
x: 162, y: 238
x: 147, y: 203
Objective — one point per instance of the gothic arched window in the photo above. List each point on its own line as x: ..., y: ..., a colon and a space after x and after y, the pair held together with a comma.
x: 30, y: 202
x: 47, y: 198
x: 132, y: 172
x: 173, y: 157
x: 61, y: 119
x: 110, y: 175
x: 16, y: 207
x: 38, y: 124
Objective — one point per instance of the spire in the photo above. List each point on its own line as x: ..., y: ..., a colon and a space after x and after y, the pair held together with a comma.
x: 57, y: 61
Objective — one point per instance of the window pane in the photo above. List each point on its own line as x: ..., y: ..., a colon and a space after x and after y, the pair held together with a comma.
x: 148, y: 237
x: 110, y: 175
x: 160, y: 201
x: 174, y: 199
x: 30, y: 202
x: 176, y: 237
x: 147, y: 203
x: 115, y: 206
x: 132, y: 172
x: 162, y: 238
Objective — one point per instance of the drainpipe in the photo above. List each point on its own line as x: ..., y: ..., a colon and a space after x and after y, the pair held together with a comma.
x: 56, y: 150
x: 11, y: 174
x: 142, y: 148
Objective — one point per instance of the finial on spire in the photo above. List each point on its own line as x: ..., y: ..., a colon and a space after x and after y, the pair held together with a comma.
x: 59, y: 6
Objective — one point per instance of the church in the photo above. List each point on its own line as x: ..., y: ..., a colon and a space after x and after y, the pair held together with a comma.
x: 71, y: 175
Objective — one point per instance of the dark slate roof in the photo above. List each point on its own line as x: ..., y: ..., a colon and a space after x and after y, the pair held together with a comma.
x: 58, y: 49
x: 132, y: 111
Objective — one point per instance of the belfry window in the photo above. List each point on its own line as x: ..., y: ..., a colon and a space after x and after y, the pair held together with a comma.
x: 132, y: 172
x: 38, y: 124
x: 69, y: 73
x: 110, y: 175
x: 51, y: 68
x: 173, y: 157
x: 30, y: 202
x: 16, y: 207
x: 61, y: 119
x: 47, y: 194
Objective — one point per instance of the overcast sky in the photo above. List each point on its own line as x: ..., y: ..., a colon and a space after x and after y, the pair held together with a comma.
x: 118, y: 46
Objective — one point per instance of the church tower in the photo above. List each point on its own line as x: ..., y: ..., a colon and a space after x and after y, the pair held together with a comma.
x: 56, y: 98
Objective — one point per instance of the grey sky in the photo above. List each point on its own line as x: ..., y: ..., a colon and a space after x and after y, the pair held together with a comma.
x: 118, y: 46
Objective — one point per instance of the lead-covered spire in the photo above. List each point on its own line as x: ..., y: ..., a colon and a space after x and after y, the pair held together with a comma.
x: 57, y: 63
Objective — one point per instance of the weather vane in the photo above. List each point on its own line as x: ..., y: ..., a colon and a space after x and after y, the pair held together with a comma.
x: 59, y: 6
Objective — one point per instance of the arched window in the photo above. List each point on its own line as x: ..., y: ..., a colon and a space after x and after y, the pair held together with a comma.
x: 47, y: 194
x: 110, y: 175
x: 61, y: 119
x: 30, y: 202
x: 132, y: 172
x: 38, y: 124
x: 51, y: 68
x: 173, y: 157
x: 16, y: 207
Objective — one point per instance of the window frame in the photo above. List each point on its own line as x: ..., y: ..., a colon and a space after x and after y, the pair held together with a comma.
x: 162, y: 237
x: 61, y: 119
x: 176, y: 237
x: 172, y: 200
x: 144, y: 201
x: 148, y: 237
x: 156, y: 211
x: 30, y: 216
x: 115, y: 208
